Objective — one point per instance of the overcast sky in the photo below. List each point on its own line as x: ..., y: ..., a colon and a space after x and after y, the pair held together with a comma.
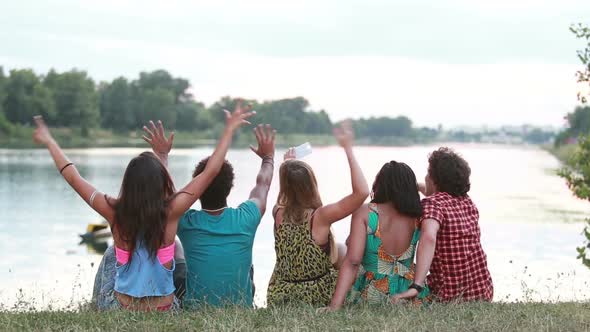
x: 454, y: 62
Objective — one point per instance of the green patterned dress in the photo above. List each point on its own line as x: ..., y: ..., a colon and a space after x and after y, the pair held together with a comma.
x: 382, y: 275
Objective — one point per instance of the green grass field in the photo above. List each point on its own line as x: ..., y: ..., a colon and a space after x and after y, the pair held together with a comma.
x: 438, y: 317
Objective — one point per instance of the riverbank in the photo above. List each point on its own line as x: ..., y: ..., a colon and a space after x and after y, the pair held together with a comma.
x: 20, y: 138
x: 100, y: 138
x: 438, y: 317
x: 563, y: 152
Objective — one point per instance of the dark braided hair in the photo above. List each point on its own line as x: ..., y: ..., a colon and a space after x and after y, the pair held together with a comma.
x: 396, y: 184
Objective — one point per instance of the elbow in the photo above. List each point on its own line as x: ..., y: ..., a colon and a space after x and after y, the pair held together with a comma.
x: 428, y: 239
x: 355, y: 262
x: 361, y: 195
x: 365, y: 193
x: 264, y: 181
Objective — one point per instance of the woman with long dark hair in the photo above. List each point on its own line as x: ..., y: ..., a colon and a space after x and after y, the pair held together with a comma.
x: 379, y: 262
x: 304, y: 244
x: 144, y: 217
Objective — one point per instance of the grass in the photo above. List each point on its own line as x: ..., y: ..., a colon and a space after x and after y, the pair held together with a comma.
x: 438, y: 317
x: 562, y: 152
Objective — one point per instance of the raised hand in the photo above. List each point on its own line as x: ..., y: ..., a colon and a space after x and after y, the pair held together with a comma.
x: 41, y: 135
x: 344, y: 134
x: 156, y: 137
x: 238, y: 118
x: 265, y: 135
x: 289, y: 154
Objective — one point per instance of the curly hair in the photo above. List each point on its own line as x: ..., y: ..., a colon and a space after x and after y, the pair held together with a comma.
x: 216, y: 194
x: 449, y: 172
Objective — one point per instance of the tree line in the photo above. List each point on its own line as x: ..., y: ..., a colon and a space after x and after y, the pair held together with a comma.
x: 73, y: 99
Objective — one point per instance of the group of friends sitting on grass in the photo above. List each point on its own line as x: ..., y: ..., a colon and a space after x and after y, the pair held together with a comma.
x: 167, y: 255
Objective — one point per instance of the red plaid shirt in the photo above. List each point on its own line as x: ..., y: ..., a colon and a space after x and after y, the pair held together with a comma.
x: 459, y: 268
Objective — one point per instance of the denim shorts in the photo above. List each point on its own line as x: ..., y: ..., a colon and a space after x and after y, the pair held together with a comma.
x: 103, y: 294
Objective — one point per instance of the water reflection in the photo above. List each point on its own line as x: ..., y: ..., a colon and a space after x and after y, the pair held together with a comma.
x: 530, y: 222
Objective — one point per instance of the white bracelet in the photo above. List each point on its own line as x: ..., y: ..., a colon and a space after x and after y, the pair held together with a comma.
x: 91, y: 200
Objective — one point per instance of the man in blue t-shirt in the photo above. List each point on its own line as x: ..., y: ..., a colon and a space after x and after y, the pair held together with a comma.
x: 218, y: 239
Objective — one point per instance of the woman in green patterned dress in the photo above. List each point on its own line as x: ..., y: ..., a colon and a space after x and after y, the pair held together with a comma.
x: 304, y: 270
x: 382, y: 241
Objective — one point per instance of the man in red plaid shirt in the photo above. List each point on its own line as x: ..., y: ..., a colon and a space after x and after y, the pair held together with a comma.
x: 450, y: 243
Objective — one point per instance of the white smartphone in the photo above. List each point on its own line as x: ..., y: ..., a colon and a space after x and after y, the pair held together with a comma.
x: 302, y: 150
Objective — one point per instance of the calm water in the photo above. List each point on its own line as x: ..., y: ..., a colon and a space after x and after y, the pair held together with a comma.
x: 530, y: 222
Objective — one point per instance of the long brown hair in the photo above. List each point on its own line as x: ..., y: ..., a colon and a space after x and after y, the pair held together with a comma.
x: 298, y: 189
x: 141, y: 210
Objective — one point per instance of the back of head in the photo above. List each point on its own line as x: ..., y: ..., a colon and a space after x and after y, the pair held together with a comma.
x: 298, y: 189
x: 396, y: 184
x: 449, y: 172
x: 215, y: 196
x: 141, y: 210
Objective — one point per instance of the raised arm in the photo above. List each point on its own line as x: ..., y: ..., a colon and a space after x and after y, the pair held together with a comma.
x: 424, y: 256
x: 68, y: 170
x: 195, y: 188
x: 265, y: 136
x: 156, y: 137
x: 354, y: 257
x: 331, y: 213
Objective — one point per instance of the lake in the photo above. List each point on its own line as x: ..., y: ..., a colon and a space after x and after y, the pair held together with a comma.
x: 530, y: 223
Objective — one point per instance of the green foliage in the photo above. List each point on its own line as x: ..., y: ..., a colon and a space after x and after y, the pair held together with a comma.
x: 75, y: 97
x: 116, y: 105
x: 290, y: 116
x: 26, y: 96
x: 577, y: 169
x: 583, y: 32
x: 578, y: 124
x: 71, y: 99
x: 3, y: 80
x: 5, y: 126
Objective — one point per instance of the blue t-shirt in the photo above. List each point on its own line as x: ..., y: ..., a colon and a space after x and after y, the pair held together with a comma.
x: 218, y: 251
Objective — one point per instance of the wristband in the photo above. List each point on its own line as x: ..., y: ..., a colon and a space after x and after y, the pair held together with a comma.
x: 416, y: 287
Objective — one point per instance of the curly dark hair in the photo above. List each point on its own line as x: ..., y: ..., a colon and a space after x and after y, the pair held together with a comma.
x: 396, y: 184
x: 449, y: 172
x: 215, y: 196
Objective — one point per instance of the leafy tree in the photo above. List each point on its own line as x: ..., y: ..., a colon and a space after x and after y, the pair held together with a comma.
x: 192, y: 116
x: 155, y: 104
x: 75, y: 97
x: 3, y: 80
x: 577, y: 170
x: 161, y: 79
x: 400, y: 126
x: 25, y: 97
x: 291, y: 115
x: 116, y: 105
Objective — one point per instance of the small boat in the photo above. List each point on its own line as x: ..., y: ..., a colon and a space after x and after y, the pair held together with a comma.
x: 96, y: 231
